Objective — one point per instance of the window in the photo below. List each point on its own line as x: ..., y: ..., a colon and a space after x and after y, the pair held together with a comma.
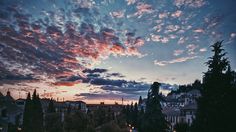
x: 188, y: 121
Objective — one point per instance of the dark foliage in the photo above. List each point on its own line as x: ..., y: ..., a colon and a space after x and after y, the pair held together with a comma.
x: 181, y: 127
x: 186, y: 88
x: 216, y: 107
x: 51, y: 108
x: 53, y: 122
x: 153, y: 119
x: 33, y: 114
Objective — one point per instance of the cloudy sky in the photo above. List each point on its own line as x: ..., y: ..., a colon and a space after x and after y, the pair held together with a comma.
x: 103, y: 50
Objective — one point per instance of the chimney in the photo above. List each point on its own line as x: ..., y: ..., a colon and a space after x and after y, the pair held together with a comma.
x: 8, y: 93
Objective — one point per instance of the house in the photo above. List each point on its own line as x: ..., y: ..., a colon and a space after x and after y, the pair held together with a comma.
x: 178, y: 108
x: 77, y: 105
x: 188, y: 112
x: 172, y: 115
x: 10, y: 112
x: 114, y: 108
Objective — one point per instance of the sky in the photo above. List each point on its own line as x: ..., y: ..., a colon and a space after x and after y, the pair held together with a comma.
x: 106, y: 50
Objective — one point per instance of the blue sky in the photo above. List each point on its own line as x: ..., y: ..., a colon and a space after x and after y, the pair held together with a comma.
x: 126, y: 44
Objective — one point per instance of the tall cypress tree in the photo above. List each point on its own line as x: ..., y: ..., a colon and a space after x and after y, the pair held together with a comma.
x: 38, y: 112
x: 33, y: 114
x: 140, y: 101
x: 153, y: 119
x: 27, y: 120
x: 216, y: 109
x: 135, y: 115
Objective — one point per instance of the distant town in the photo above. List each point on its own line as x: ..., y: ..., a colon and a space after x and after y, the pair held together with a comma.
x: 178, y: 107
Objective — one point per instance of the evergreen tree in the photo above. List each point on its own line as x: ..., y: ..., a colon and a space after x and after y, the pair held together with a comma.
x: 127, y: 113
x: 216, y: 108
x: 27, y: 120
x: 68, y: 110
x: 140, y: 101
x: 153, y: 119
x: 135, y: 115
x: 51, y: 108
x: 78, y: 122
x: 131, y: 113
x: 100, y: 116
x: 181, y: 127
x: 53, y: 122
x: 33, y: 114
x: 38, y: 113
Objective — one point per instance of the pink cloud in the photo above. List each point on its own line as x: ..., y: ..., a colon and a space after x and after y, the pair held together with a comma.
x: 182, y: 40
x: 130, y: 2
x: 191, y: 48
x: 117, y: 14
x: 177, y: 60
x: 158, y: 38
x: 177, y: 14
x: 178, y: 52
x: 190, y: 3
x: 199, y: 30
x: 172, y: 28
x: 163, y: 15
x: 143, y: 8
x: 64, y: 83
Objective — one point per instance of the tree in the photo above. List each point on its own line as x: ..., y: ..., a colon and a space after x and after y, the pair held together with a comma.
x: 51, y: 108
x: 100, y: 116
x: 77, y: 122
x: 216, y: 108
x: 33, y: 114
x: 153, y: 119
x: 27, y: 127
x: 37, y: 113
x: 135, y: 115
x: 181, y: 127
x: 127, y: 113
x: 53, y: 122
x: 140, y: 101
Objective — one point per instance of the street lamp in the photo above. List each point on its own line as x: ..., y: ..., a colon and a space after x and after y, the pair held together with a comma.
x: 19, y: 129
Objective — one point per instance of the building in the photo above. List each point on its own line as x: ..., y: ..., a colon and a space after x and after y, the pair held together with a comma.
x: 188, y: 113
x: 10, y: 112
x: 178, y: 108
x: 181, y: 108
x: 114, y: 108
x: 77, y: 105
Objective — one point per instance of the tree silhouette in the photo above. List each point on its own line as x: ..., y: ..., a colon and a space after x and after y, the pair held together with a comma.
x: 140, y: 101
x: 33, y: 114
x: 216, y: 108
x: 153, y: 119
x: 77, y: 122
x: 135, y: 115
x: 181, y: 127
x: 51, y: 108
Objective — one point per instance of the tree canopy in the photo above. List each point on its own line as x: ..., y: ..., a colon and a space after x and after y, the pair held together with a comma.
x: 216, y: 107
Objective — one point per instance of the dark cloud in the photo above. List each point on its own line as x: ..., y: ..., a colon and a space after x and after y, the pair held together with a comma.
x: 102, y: 81
x: 96, y: 70
x: 16, y: 77
x: 116, y: 74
